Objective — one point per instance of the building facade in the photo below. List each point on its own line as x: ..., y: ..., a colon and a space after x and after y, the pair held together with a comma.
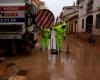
x: 84, y: 18
x: 70, y: 16
x: 67, y: 10
x: 72, y: 21
x: 42, y: 5
x: 36, y: 3
x: 89, y: 16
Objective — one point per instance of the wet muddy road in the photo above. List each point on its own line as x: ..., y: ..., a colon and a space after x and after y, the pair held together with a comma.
x: 82, y: 63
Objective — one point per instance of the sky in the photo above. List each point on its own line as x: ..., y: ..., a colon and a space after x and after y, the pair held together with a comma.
x: 56, y: 5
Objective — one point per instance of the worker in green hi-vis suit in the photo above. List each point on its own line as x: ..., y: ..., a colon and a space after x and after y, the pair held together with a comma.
x: 44, y: 38
x: 60, y: 31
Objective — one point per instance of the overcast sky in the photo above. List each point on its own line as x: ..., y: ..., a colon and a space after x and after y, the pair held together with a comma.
x: 56, y: 5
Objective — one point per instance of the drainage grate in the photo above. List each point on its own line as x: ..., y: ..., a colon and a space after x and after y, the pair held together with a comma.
x: 22, y: 72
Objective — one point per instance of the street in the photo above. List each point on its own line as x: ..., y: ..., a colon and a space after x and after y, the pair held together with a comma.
x: 49, y: 39
x: 81, y: 63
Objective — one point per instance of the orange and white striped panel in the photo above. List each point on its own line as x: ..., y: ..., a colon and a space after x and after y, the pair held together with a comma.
x: 44, y: 18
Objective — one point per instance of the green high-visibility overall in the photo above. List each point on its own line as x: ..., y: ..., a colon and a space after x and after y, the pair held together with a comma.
x: 44, y: 38
x: 59, y: 36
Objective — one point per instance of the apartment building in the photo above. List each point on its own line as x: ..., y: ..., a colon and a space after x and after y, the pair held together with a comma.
x: 89, y: 16
x: 42, y: 5
x: 89, y: 19
x: 70, y: 15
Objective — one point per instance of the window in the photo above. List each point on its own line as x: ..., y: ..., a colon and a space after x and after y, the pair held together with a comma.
x: 72, y: 27
x: 69, y: 27
x: 82, y: 23
x: 98, y: 21
x: 81, y: 7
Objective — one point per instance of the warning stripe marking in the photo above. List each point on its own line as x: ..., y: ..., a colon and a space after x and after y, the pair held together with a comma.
x: 39, y: 15
x: 50, y: 22
x: 44, y: 18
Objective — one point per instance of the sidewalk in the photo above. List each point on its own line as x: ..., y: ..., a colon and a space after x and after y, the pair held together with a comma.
x: 82, y: 43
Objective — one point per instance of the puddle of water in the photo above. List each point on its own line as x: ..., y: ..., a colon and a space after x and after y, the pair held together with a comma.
x: 22, y: 72
x: 10, y: 64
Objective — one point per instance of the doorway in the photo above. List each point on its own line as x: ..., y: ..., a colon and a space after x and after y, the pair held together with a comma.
x: 89, y: 23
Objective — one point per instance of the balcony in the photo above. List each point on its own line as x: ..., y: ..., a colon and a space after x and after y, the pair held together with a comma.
x: 79, y: 1
x: 89, y: 7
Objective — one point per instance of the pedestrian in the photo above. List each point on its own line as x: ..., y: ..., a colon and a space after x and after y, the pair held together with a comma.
x: 60, y: 31
x: 44, y: 39
x: 52, y: 41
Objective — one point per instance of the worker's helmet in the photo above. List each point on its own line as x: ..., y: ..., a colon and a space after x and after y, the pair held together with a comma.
x: 63, y: 26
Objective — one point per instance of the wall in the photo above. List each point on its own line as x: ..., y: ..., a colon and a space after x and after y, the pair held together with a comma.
x: 69, y: 9
x: 96, y: 4
x: 82, y: 15
x: 72, y: 22
x: 36, y: 3
x: 95, y: 31
x: 43, y: 5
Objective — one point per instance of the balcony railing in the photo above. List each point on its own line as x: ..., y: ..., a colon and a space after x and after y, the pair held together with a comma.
x: 89, y: 6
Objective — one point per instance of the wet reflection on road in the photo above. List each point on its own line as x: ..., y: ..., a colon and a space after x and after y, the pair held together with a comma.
x: 42, y: 65
x: 61, y: 67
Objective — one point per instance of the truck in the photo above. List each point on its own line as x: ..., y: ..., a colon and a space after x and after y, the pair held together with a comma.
x: 13, y: 26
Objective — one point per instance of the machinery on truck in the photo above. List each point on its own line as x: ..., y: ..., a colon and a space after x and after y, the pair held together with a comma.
x: 14, y: 20
x: 17, y: 18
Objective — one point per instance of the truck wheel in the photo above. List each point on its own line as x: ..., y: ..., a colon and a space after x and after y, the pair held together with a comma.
x: 8, y: 49
x: 28, y: 47
x: 13, y: 47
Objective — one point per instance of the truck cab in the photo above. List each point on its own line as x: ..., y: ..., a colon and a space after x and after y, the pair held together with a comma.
x: 13, y: 19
